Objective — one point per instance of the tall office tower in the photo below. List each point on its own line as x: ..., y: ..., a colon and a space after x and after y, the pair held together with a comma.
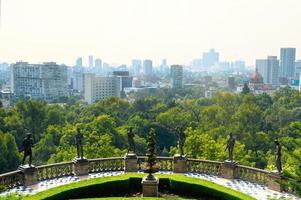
x: 262, y: 67
x: 100, y: 87
x: 176, y: 73
x: 269, y: 69
x: 126, y: 79
x: 210, y: 58
x: 164, y: 62
x: 91, y: 61
x: 136, y: 65
x: 297, y: 69
x: 39, y: 81
x: 148, y: 67
x: 79, y: 62
x: 78, y: 81
x: 273, y: 65
x: 98, y: 65
x: 287, y: 62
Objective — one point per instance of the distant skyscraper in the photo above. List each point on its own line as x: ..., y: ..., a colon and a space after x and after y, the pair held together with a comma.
x: 273, y: 64
x: 91, y: 61
x: 98, y: 65
x: 148, y: 67
x: 79, y: 62
x: 164, y: 62
x: 176, y: 73
x: 269, y: 69
x: 136, y: 65
x: 298, y: 68
x: 210, y: 58
x: 287, y: 62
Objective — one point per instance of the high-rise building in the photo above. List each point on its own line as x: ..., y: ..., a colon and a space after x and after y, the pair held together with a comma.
x: 210, y: 58
x: 136, y: 65
x: 39, y: 81
x: 98, y: 65
x: 78, y: 81
x: 126, y: 79
x: 297, y: 68
x: 148, y: 67
x: 287, y: 62
x: 176, y: 73
x: 273, y: 65
x: 269, y: 69
x: 91, y: 61
x: 79, y: 62
x: 100, y: 87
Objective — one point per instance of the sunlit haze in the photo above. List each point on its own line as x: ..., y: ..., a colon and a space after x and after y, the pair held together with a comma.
x: 120, y: 30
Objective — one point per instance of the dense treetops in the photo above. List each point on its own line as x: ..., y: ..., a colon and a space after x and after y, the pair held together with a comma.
x: 255, y: 121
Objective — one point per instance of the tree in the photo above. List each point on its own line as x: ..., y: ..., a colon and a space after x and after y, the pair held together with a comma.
x: 245, y: 89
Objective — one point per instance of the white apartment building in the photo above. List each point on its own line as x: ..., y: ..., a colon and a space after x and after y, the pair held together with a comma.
x: 39, y: 81
x: 101, y: 87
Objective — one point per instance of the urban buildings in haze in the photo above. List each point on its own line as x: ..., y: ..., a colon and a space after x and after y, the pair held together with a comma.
x: 98, y: 65
x: 287, y: 62
x: 147, y: 67
x: 210, y: 58
x: 91, y: 61
x: 269, y: 69
x: 79, y: 62
x: 176, y: 73
x: 126, y: 79
x: 136, y: 66
x: 39, y: 81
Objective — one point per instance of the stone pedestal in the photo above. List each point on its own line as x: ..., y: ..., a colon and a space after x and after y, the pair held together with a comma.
x: 228, y: 169
x: 81, y: 166
x: 130, y: 162
x: 150, y: 187
x: 180, y: 164
x: 30, y: 174
x: 273, y: 182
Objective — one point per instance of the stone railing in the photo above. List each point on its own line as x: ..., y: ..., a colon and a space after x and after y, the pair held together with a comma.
x: 106, y: 164
x: 12, y: 179
x: 204, y: 166
x: 54, y: 170
x: 164, y: 163
x: 133, y: 163
x: 252, y: 174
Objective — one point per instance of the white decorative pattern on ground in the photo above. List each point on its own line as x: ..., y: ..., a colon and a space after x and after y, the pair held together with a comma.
x: 255, y: 190
x: 258, y: 191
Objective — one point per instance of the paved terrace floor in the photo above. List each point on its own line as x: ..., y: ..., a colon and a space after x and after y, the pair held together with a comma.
x: 258, y: 191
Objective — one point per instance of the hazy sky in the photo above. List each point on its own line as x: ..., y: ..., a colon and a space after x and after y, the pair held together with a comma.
x: 119, y: 30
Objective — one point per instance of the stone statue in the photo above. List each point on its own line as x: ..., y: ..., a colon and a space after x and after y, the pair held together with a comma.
x: 27, y: 144
x: 278, y: 156
x: 230, y: 147
x: 131, y: 141
x: 79, y: 144
x: 181, y: 142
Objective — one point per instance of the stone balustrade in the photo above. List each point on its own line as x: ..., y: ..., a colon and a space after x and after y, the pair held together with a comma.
x: 172, y: 164
x: 54, y: 170
x: 12, y: 179
x: 106, y: 164
x: 204, y: 166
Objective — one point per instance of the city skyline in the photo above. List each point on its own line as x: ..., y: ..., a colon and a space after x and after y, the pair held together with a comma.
x: 147, y: 29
